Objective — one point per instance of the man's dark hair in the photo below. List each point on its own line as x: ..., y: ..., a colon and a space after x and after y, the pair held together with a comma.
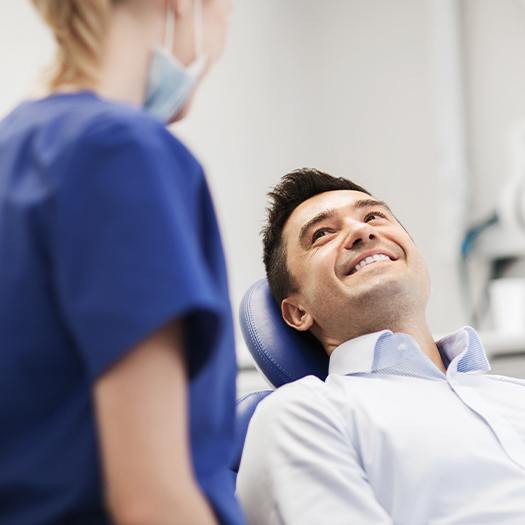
x: 293, y: 189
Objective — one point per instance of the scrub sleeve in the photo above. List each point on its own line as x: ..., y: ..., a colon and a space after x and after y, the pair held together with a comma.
x: 125, y: 245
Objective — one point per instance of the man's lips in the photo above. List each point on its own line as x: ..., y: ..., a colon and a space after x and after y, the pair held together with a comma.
x: 351, y: 267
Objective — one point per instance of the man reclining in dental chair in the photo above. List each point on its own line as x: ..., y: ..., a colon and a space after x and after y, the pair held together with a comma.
x: 404, y: 429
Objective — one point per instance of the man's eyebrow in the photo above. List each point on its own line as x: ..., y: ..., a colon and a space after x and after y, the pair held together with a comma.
x: 370, y: 203
x: 320, y: 217
x: 327, y: 214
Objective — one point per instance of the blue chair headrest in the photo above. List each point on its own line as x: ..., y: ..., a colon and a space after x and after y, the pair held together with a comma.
x: 246, y: 406
x: 281, y: 353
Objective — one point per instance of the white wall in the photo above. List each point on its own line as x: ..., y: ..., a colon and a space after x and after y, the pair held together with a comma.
x: 25, y: 48
x: 495, y: 54
x: 342, y: 85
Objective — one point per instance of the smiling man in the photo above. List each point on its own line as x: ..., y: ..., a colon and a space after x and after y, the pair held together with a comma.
x: 404, y: 430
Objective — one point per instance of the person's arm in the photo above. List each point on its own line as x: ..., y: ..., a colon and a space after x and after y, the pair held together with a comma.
x: 141, y: 410
x: 299, y: 466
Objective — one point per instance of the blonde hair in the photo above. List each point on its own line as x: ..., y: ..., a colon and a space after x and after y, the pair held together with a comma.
x: 79, y: 28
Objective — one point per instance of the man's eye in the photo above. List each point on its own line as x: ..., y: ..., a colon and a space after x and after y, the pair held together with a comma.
x: 374, y: 215
x: 319, y: 233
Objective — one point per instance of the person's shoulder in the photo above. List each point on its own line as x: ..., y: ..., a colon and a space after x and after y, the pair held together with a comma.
x: 63, y: 122
x: 290, y: 400
x: 110, y: 123
x: 296, y: 390
x: 495, y: 378
x: 115, y: 125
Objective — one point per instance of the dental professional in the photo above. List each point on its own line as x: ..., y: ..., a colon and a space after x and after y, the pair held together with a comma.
x: 117, y: 366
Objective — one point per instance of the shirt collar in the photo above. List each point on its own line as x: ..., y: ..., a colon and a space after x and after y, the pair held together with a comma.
x: 385, y: 349
x: 356, y: 355
x: 465, y: 351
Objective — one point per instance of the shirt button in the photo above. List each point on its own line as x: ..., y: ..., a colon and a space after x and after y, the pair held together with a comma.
x: 402, y: 346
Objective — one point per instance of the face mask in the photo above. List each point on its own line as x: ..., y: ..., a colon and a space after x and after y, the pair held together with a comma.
x: 170, y: 84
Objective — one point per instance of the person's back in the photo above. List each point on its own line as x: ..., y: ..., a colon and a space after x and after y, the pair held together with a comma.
x: 62, y: 317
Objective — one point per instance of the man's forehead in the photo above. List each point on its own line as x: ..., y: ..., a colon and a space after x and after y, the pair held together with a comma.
x: 329, y: 200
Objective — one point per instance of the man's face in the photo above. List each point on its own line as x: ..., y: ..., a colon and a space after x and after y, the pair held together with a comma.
x: 354, y: 267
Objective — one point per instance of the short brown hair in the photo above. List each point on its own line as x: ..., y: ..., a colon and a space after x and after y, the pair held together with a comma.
x: 293, y: 189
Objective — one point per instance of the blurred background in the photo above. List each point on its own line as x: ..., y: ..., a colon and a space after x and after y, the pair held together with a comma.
x: 420, y: 101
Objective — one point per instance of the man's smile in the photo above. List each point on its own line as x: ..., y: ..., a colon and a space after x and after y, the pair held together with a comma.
x: 368, y: 258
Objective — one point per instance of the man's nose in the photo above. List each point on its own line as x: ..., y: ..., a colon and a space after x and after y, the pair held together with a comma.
x: 359, y: 233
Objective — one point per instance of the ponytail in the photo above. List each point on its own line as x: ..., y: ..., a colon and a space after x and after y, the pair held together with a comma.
x: 79, y: 28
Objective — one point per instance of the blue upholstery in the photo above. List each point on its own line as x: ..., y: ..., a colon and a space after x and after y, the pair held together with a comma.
x: 246, y: 406
x: 281, y: 353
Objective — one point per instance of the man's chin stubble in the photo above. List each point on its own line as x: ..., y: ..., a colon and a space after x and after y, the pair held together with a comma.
x: 381, y: 308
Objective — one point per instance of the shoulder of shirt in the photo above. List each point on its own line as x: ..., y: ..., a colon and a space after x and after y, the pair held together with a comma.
x: 306, y: 401
x: 505, y: 379
x: 308, y: 392
x: 111, y: 124
x: 63, y: 125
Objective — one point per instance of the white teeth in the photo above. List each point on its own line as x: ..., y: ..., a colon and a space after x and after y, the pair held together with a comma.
x: 371, y: 259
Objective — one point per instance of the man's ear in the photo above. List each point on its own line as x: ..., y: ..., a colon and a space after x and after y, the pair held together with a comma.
x: 296, y: 316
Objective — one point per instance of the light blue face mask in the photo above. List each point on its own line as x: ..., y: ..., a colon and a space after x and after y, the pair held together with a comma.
x: 170, y: 84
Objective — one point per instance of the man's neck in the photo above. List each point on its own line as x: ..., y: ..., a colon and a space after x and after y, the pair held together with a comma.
x: 423, y: 337
x: 417, y: 329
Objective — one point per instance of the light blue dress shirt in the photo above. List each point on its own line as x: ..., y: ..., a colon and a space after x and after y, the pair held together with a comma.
x: 389, y: 438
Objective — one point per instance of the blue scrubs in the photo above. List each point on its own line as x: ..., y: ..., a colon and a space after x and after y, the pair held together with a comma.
x: 107, y: 232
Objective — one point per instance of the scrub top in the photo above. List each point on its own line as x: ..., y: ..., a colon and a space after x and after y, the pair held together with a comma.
x: 107, y: 232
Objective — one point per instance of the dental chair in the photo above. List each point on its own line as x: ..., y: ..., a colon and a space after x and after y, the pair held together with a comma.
x: 281, y: 354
